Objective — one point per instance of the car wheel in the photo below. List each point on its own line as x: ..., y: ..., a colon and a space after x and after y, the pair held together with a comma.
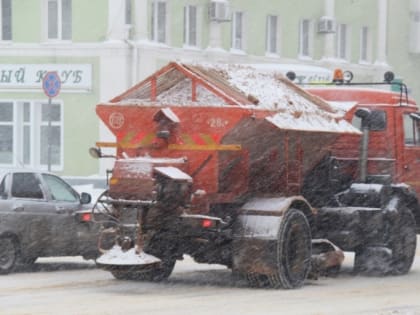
x: 8, y: 254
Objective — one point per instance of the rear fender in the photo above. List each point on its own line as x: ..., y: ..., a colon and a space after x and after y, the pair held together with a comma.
x: 408, y: 198
x: 256, y: 232
x: 261, y: 217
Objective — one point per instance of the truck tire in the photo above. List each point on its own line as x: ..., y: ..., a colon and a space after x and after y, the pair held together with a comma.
x: 153, y: 273
x: 398, y: 255
x: 9, y: 252
x: 293, y: 254
x: 403, y: 244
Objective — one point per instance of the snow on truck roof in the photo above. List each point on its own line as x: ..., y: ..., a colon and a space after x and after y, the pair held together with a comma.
x: 257, y: 87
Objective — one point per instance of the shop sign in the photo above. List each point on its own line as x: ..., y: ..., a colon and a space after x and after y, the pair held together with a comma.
x: 73, y: 77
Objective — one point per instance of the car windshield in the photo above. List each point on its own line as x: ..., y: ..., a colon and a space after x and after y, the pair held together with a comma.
x: 59, y: 190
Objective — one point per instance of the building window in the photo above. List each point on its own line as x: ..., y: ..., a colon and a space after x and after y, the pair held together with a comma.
x: 24, y: 134
x: 304, y: 38
x: 6, y: 132
x: 59, y: 19
x: 6, y: 19
x: 237, y: 31
x: 342, y: 42
x: 364, y: 44
x: 190, y: 25
x: 159, y: 21
x: 272, y: 34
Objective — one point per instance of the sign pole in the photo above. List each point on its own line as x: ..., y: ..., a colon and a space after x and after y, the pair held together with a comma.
x: 51, y: 85
x: 49, y: 134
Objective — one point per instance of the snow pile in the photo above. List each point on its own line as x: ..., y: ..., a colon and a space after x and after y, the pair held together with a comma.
x: 296, y: 109
x: 272, y: 90
x: 255, y: 87
x: 310, y: 122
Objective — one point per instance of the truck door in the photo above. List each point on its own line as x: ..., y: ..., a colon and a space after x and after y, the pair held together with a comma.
x: 411, y: 150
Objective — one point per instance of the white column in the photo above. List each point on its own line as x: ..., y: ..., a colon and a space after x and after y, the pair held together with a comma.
x: 381, y: 54
x: 414, y: 39
x: 116, y: 20
x: 329, y: 39
x: 140, y: 16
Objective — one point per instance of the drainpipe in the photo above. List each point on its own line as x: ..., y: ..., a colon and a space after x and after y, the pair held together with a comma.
x: 381, y: 54
x: 134, y: 61
x: 329, y: 48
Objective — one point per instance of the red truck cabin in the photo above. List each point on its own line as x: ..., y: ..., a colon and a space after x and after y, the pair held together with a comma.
x: 394, y: 147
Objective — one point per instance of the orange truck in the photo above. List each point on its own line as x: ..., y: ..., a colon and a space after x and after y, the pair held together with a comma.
x: 236, y: 165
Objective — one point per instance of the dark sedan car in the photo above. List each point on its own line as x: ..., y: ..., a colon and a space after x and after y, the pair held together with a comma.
x: 42, y: 216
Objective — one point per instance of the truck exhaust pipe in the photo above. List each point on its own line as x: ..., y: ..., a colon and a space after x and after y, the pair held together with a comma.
x: 364, y: 114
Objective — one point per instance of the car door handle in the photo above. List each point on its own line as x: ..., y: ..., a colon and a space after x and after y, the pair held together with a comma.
x: 60, y: 209
x: 18, y: 209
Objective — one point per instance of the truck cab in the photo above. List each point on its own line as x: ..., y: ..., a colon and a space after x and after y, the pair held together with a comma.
x: 393, y: 148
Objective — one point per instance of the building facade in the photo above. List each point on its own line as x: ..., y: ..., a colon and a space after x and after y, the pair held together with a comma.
x: 101, y: 47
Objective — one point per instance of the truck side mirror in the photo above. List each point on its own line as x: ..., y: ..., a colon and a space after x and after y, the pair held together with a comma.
x: 95, y: 153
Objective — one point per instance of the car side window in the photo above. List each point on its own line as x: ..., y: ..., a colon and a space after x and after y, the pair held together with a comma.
x: 26, y: 185
x: 59, y: 189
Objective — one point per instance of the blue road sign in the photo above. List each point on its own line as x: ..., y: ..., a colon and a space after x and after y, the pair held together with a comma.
x: 51, y: 84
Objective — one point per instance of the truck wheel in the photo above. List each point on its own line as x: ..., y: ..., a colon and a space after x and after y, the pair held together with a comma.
x: 397, y: 257
x: 8, y: 254
x: 154, y: 273
x: 293, y: 250
x: 293, y: 254
x: 403, y: 244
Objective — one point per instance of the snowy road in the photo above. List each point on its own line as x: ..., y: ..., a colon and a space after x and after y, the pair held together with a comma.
x: 73, y: 286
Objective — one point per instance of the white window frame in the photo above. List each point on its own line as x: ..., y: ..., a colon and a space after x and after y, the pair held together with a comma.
x: 189, y: 27
x: 305, y: 40
x: 156, y: 27
x: 35, y: 124
x: 342, y: 42
x: 238, y: 35
x: 365, y: 45
x: 60, y: 28
x: 2, y: 22
x: 270, y: 50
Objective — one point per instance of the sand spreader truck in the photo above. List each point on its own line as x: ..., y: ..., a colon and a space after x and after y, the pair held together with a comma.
x: 236, y: 165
